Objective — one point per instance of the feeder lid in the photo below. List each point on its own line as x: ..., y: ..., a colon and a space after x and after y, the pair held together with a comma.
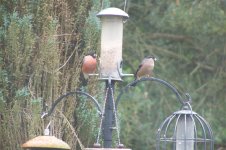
x: 47, y: 142
x: 112, y: 11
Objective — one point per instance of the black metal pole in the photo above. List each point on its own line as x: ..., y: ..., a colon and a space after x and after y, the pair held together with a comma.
x: 108, y: 116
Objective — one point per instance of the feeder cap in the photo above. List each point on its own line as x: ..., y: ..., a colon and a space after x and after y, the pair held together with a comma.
x: 46, y: 142
x: 112, y: 11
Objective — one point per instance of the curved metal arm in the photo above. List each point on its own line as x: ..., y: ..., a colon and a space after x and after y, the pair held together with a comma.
x: 134, y: 83
x: 71, y: 93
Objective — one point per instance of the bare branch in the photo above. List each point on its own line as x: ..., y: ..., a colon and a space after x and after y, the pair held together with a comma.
x: 169, y: 36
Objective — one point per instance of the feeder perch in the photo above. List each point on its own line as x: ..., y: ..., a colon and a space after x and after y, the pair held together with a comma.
x: 185, y: 130
x: 111, y: 42
x: 45, y: 143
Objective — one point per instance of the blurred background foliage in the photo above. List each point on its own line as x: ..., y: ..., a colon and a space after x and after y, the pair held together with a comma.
x: 42, y: 44
x: 188, y: 38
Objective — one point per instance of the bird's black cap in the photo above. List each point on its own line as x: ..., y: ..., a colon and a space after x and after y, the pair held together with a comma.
x: 93, y: 54
x: 151, y: 56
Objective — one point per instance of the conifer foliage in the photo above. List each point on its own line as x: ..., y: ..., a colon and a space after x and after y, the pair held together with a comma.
x: 42, y: 44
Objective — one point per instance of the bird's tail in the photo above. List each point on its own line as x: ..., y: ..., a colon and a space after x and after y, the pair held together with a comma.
x: 83, y: 79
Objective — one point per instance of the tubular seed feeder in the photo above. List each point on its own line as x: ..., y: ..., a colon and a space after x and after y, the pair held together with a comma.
x: 185, y: 130
x: 111, y: 42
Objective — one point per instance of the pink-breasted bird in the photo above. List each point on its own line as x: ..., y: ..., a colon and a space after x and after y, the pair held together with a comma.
x: 146, y: 67
x: 89, y: 64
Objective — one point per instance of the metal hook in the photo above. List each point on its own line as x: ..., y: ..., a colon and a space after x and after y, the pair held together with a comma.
x: 46, y: 131
x: 44, y: 114
x: 125, y: 4
x: 99, y: 109
x: 187, y: 105
x: 173, y: 89
x: 188, y: 98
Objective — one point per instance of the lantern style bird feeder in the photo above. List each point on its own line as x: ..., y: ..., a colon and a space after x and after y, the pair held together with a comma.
x: 112, y: 20
x: 185, y: 130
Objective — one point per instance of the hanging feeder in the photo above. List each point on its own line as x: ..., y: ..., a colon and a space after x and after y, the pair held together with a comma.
x: 185, y: 130
x: 45, y: 143
x: 111, y: 42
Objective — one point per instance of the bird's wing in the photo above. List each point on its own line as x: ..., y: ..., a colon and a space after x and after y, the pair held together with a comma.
x: 135, y: 75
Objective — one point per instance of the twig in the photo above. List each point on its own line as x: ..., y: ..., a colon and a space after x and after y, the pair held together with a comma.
x: 66, y: 60
x: 169, y: 36
x: 181, y: 57
x: 66, y: 34
x: 73, y: 130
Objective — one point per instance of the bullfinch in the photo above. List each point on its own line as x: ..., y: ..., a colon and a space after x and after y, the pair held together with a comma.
x: 146, y: 67
x: 89, y: 64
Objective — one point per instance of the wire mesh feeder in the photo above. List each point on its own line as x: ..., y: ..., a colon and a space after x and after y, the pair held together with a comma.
x: 185, y: 130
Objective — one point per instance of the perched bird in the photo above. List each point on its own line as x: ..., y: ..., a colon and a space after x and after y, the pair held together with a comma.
x: 146, y: 67
x: 89, y: 64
